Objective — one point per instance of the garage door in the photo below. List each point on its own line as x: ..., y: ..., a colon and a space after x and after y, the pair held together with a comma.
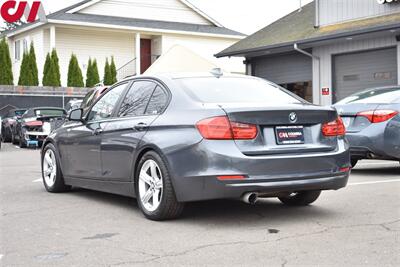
x: 359, y: 71
x: 284, y: 68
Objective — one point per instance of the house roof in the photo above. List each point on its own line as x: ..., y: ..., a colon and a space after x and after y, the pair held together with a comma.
x: 298, y: 27
x: 65, y: 15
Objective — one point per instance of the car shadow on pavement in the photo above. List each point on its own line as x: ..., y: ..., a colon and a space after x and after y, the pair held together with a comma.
x: 387, y: 172
x: 223, y: 212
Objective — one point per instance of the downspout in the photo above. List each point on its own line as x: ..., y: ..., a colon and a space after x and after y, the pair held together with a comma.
x: 296, y: 47
x: 317, y: 20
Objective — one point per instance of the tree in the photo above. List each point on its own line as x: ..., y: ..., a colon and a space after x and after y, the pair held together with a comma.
x: 25, y: 73
x: 89, y: 73
x: 92, y: 74
x: 107, y: 74
x: 113, y: 70
x: 46, y: 81
x: 96, y: 77
x: 11, y: 26
x: 6, y: 75
x: 33, y: 66
x: 56, y: 67
x: 75, y: 78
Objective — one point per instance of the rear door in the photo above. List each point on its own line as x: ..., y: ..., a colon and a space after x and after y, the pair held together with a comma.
x: 142, y: 104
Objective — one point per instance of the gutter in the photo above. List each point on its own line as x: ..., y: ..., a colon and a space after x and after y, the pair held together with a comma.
x: 318, y: 60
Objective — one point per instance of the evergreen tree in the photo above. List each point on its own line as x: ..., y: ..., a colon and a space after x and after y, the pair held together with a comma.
x: 113, y: 70
x: 96, y: 76
x: 56, y: 67
x: 47, y: 71
x: 75, y: 78
x: 25, y: 73
x: 89, y: 73
x: 6, y: 75
x: 107, y: 74
x: 33, y: 66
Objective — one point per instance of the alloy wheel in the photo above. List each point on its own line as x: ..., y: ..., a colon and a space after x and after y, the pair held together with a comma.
x: 150, y: 185
x: 49, y: 168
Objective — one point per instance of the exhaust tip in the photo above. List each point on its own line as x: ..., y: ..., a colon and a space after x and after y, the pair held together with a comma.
x: 250, y: 198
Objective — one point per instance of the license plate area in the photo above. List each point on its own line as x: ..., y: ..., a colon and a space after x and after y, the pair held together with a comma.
x: 289, y: 135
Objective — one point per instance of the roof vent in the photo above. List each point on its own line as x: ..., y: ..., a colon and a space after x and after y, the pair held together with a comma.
x: 217, y: 72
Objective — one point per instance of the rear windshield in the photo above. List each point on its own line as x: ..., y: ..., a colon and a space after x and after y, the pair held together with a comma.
x: 236, y: 90
x: 375, y: 96
x: 49, y: 112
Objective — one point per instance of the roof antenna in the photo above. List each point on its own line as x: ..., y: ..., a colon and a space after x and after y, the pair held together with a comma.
x: 301, y: 8
x: 217, y: 72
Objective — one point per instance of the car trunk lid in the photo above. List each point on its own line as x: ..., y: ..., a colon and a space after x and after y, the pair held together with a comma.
x: 289, y: 129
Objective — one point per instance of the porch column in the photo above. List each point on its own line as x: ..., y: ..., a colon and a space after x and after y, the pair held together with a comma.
x: 52, y: 37
x: 137, y: 53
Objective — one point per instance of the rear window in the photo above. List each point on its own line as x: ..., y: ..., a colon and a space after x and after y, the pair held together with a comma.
x: 236, y: 90
x: 49, y: 112
x: 376, y: 96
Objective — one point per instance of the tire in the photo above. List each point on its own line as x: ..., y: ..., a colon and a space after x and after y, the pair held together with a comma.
x: 13, y: 141
x: 56, y: 184
x: 21, y: 143
x: 354, y: 162
x: 7, y: 135
x: 301, y: 198
x: 164, y: 205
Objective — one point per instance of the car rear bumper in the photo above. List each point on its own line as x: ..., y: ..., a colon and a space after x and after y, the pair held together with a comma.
x: 195, y: 172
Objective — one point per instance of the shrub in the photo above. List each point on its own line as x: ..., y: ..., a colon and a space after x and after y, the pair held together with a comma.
x: 113, y: 70
x: 56, y: 67
x: 33, y: 66
x: 6, y: 75
x: 75, y: 78
x: 107, y: 80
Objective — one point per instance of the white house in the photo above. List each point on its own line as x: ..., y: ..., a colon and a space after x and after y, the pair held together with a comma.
x: 135, y: 32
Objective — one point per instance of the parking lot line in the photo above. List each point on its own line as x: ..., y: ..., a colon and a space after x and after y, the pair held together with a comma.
x: 376, y: 182
x: 37, y: 180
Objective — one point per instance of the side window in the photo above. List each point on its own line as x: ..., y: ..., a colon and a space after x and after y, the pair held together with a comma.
x: 136, y: 99
x: 87, y: 99
x: 104, y: 108
x: 157, y: 102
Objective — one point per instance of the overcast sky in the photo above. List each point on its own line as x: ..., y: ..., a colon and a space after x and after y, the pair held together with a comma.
x: 246, y: 16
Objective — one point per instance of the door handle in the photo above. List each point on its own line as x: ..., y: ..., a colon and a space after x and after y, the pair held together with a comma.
x: 97, y: 131
x: 141, y: 126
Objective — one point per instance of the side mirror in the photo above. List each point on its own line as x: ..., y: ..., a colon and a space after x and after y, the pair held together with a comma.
x: 76, y: 115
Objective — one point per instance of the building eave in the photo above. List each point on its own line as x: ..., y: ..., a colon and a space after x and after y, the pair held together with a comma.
x: 310, y: 41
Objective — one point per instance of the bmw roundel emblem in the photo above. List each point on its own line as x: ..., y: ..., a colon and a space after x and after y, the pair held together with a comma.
x: 293, y: 117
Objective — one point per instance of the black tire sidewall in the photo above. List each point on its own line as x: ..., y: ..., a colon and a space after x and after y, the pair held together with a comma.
x: 160, y: 212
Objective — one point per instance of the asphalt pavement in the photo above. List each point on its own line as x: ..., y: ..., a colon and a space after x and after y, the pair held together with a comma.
x: 355, y: 226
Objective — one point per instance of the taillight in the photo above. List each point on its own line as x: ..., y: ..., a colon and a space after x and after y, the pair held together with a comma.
x: 376, y: 116
x: 33, y: 123
x: 220, y: 128
x: 334, y: 128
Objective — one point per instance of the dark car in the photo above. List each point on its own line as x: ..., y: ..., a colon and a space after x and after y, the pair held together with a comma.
x: 36, y: 124
x: 372, y: 119
x: 171, y: 139
x: 9, y: 122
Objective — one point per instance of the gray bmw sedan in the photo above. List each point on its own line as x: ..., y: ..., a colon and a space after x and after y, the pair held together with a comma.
x: 176, y: 138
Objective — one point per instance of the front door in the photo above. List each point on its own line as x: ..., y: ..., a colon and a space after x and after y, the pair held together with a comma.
x: 84, y: 150
x: 145, y: 54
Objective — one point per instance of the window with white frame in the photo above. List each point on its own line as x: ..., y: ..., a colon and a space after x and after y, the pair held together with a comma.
x: 25, y: 46
x: 17, y: 50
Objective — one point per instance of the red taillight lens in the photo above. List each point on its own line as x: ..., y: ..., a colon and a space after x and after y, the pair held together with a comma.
x: 33, y: 123
x: 378, y: 115
x: 220, y: 128
x: 334, y: 128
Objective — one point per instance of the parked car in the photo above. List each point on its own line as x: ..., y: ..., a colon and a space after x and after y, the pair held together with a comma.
x: 372, y: 119
x: 36, y: 124
x: 171, y: 139
x: 92, y: 96
x: 9, y: 122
